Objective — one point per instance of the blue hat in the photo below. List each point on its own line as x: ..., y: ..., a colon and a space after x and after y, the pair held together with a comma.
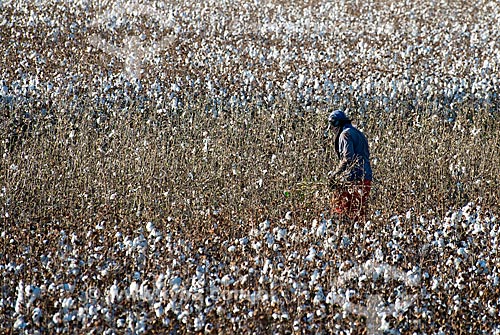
x: 337, y: 115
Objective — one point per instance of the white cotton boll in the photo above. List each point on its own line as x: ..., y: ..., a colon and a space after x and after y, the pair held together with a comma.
x: 81, y: 313
x: 227, y: 280
x: 160, y: 281
x: 264, y: 225
x: 20, y: 324
x: 176, y: 283
x: 288, y: 216
x: 321, y: 230
x: 32, y: 292
x: 331, y: 240
x: 231, y: 248
x: 269, y: 240
x: 67, y: 303
x: 332, y: 298
x: 113, y: 293
x: 20, y: 298
x: 36, y: 315
x: 144, y: 292
x: 301, y: 80
x: 314, y: 277
x: 256, y: 245
x: 281, y: 234
x: 141, y: 326
x: 412, y: 277
x: 312, y: 254
x: 384, y: 324
x: 209, y: 301
x: 56, y: 318
x: 120, y: 323
x: 266, y: 266
x: 243, y: 240
x: 462, y: 252
x: 149, y: 226
x: 319, y: 297
x: 209, y: 327
x: 435, y: 284
x: 133, y: 290
x: 158, y: 307
x: 349, y: 294
x: 199, y: 322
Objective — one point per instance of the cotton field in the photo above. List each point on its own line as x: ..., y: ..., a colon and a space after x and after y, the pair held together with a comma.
x: 164, y: 167
x: 278, y: 277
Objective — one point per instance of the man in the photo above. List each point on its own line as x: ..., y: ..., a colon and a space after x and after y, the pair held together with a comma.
x: 351, y: 179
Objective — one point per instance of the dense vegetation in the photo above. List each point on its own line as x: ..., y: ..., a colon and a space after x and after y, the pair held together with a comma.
x: 128, y: 187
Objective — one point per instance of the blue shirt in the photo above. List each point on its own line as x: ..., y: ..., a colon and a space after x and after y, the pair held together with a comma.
x: 354, y: 154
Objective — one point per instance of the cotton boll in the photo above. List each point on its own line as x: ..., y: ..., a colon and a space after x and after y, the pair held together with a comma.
x: 269, y: 240
x: 20, y: 324
x: 158, y: 308
x: 19, y: 305
x: 199, y: 322
x: 349, y: 294
x: 160, y: 281
x: 435, y: 284
x: 482, y: 266
x: 56, y: 318
x: 319, y: 297
x: 209, y: 328
x: 32, y: 293
x: 176, y: 283
x: 384, y: 324
x: 462, y: 252
x: 332, y: 298
x: 321, y: 230
x: 346, y: 241
x: 67, y: 303
x: 227, y: 280
x: 36, y: 315
x: 267, y: 264
x: 141, y: 326
x: 113, y: 293
x: 281, y: 234
x: 133, y: 290
x: 312, y: 255
x: 264, y: 225
x: 314, y: 277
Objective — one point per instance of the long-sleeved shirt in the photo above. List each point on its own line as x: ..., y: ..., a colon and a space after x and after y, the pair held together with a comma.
x: 352, y: 149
